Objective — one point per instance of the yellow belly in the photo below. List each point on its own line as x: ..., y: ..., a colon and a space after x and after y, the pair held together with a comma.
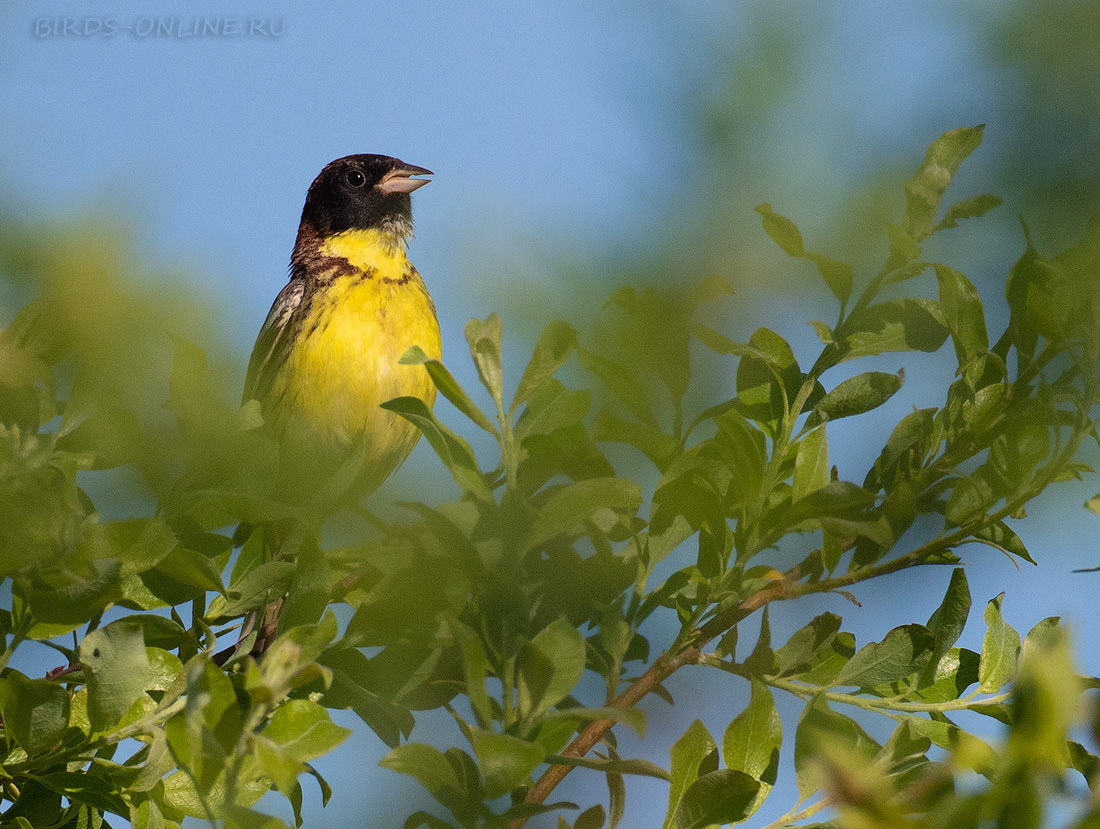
x: 344, y: 365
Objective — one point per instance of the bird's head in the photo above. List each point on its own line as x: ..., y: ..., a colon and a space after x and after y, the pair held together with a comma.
x: 363, y: 192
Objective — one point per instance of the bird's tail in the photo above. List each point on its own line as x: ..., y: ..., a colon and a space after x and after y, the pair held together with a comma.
x: 265, y: 621
x: 260, y: 626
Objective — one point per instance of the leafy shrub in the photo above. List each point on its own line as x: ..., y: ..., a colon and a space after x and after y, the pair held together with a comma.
x: 494, y: 606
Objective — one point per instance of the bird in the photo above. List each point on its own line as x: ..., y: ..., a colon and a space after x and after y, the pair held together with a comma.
x: 328, y: 354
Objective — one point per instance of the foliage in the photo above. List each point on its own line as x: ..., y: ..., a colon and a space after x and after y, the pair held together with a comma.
x: 546, y: 569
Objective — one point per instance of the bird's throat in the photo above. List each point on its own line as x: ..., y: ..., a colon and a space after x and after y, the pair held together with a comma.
x: 368, y: 250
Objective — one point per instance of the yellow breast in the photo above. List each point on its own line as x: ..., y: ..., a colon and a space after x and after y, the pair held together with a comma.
x: 344, y: 363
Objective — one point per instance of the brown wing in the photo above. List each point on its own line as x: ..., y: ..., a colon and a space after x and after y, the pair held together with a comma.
x: 273, y: 342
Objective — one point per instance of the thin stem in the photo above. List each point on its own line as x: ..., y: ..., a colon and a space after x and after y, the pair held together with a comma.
x: 144, y: 725
x: 508, y: 457
x: 668, y: 663
x: 17, y: 638
x: 881, y: 705
x: 795, y: 815
x: 772, y: 468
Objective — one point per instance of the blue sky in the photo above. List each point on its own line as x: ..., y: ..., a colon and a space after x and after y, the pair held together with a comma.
x: 543, y: 123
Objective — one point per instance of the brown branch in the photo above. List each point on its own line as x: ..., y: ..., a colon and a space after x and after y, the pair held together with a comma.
x: 595, y: 731
x: 659, y: 671
x: 691, y: 650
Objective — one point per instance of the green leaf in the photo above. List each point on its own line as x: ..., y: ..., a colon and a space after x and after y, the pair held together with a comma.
x: 783, y: 231
x: 767, y: 386
x: 469, y: 777
x: 806, y: 643
x: 146, y: 815
x: 745, y: 450
x: 811, y: 464
x: 904, y: 451
x: 476, y: 667
x: 575, y: 503
x: 208, y: 730
x: 265, y: 583
x: 616, y: 794
x: 859, y: 394
x: 117, y: 667
x: 657, y: 446
x: 968, y: 751
x: 751, y: 744
x: 484, y: 338
x: 180, y: 794
x: 139, y: 543
x: 452, y: 527
x: 304, y: 730
x: 752, y: 740
x: 552, y: 407
x: 452, y: 449
x: 967, y: 209
x: 903, y: 652
x: 875, y: 529
x: 76, y: 602
x: 820, y: 728
x: 421, y: 818
x: 957, y: 670
x: 86, y: 788
x: 838, y: 498
x: 192, y: 568
x: 555, y: 344
x: 164, y: 668
x: 633, y: 717
x: 549, y: 667
x: 277, y: 765
x: 310, y: 590
x: 616, y: 765
x: 925, y: 190
x: 310, y: 641
x: 837, y: 275
x: 160, y: 631
x: 1086, y: 763
x: 449, y: 387
x: 687, y: 754
x: 963, y: 314
x: 1000, y: 650
x: 908, y: 324
x: 241, y: 817
x: 1045, y: 634
x: 947, y: 622
x: 1046, y: 702
x: 36, y: 712
x: 762, y: 658
x: 427, y: 765
x: 622, y: 383
x: 1003, y: 537
x: 592, y: 818
x: 350, y: 669
x: 721, y: 344
x: 1093, y: 503
x: 824, y: 332
x: 718, y: 797
x: 505, y: 761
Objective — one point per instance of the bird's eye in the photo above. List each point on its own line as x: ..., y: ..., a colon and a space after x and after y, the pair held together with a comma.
x: 355, y: 178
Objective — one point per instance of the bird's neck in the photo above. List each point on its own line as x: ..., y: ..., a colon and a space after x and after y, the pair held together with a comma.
x: 367, y: 249
x: 355, y: 251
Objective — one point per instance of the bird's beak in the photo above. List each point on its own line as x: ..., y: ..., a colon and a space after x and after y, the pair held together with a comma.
x: 399, y: 180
